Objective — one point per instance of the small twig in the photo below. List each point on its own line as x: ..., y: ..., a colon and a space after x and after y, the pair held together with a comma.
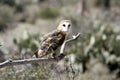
x: 69, y: 40
x: 39, y: 60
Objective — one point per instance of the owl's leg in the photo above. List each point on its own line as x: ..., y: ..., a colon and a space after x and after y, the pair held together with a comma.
x: 36, y: 54
x: 59, y: 57
x: 54, y: 55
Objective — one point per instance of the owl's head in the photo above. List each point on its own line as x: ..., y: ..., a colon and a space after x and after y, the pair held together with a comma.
x: 64, y: 26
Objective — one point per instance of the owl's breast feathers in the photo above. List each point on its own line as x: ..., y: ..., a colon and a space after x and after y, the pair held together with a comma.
x: 50, y: 43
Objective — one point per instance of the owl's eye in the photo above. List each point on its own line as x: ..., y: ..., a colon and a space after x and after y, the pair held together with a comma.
x: 69, y: 25
x: 63, y: 25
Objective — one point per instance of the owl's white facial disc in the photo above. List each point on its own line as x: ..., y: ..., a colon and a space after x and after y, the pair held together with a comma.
x: 65, y: 26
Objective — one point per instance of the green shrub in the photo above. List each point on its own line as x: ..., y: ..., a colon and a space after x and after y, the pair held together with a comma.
x: 49, y: 12
x: 6, y: 17
x: 28, y: 43
x: 102, y: 44
x: 8, y: 2
x: 19, y: 7
x: 3, y: 26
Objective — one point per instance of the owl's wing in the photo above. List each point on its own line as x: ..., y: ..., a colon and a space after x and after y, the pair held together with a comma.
x: 50, y: 34
x: 47, y: 38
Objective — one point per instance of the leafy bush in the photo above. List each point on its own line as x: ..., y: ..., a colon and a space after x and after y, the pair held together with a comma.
x: 49, y: 12
x: 3, y: 26
x: 19, y: 7
x: 8, y: 2
x: 25, y: 73
x: 6, y: 17
x: 28, y: 43
x: 103, y: 44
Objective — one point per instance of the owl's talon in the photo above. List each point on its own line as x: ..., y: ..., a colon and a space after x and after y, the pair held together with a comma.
x: 59, y: 57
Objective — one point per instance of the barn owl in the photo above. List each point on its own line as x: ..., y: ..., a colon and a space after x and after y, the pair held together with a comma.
x: 53, y: 40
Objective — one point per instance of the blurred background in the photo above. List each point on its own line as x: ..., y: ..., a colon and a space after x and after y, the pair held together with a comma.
x: 94, y: 56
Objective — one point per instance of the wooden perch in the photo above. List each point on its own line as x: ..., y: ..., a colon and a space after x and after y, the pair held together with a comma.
x: 39, y: 60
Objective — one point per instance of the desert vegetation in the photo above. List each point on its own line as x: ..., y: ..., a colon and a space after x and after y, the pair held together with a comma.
x: 95, y: 55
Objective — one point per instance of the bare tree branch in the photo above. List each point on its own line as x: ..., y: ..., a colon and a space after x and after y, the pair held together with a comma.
x: 27, y: 61
x: 67, y: 41
x: 39, y: 60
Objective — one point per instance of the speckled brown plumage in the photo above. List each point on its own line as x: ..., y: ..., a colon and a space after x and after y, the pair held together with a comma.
x: 50, y: 43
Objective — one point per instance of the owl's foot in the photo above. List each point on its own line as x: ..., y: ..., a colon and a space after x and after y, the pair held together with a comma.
x: 36, y: 54
x: 59, y: 57
x: 54, y: 55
